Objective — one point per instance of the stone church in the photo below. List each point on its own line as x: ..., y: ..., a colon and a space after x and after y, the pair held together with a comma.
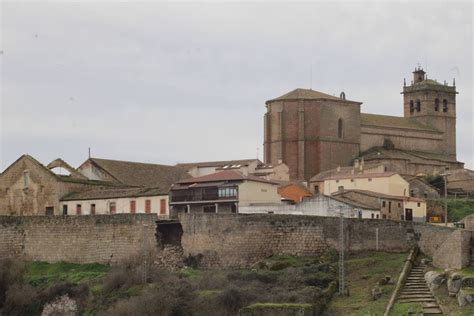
x: 311, y: 131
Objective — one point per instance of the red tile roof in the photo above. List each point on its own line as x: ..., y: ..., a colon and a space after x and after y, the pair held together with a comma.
x: 227, y: 175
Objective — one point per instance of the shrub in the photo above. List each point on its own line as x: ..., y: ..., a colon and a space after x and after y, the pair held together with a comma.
x: 11, y: 272
x: 234, y: 299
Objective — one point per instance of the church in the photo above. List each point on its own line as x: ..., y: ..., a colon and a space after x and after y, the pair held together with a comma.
x: 311, y: 131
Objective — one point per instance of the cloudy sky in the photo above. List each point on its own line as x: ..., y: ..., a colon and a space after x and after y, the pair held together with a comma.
x: 167, y: 83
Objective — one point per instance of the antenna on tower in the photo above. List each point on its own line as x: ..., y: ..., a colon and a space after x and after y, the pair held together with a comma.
x: 89, y: 153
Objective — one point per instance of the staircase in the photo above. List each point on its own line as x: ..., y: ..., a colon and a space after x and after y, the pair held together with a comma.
x: 415, y: 290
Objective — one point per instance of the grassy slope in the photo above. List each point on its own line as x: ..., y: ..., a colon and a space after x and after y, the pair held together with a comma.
x: 363, y: 273
x: 458, y: 209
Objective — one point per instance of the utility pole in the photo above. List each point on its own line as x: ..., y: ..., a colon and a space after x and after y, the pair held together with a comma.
x: 145, y: 253
x: 341, y: 252
x: 445, y: 176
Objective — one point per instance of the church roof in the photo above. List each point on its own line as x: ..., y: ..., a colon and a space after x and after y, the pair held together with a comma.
x: 378, y: 153
x: 242, y: 162
x: 393, y: 121
x: 307, y: 94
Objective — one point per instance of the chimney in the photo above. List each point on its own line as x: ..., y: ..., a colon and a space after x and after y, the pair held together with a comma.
x: 280, y: 161
x: 362, y: 164
x: 356, y: 163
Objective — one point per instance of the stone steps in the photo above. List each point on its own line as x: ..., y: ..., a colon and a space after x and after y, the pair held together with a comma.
x: 416, y: 290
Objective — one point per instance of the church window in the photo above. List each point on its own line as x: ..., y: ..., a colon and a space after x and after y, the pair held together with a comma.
x: 418, y: 105
x: 445, y: 105
x: 26, y: 178
x: 340, y: 129
x: 436, y: 104
x: 412, y: 106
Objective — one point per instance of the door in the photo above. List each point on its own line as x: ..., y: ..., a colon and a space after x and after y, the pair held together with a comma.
x: 162, y: 207
x: 408, y: 214
x: 65, y: 209
x: 49, y: 210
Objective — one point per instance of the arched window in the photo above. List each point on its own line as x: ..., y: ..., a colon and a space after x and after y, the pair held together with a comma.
x: 436, y: 104
x: 445, y: 105
x: 412, y: 106
x: 340, y: 129
x: 418, y: 105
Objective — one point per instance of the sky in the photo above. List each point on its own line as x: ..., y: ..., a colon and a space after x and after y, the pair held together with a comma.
x: 180, y: 82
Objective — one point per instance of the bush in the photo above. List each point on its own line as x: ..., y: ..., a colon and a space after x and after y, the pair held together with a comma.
x: 21, y: 299
x: 11, y: 272
x: 234, y: 299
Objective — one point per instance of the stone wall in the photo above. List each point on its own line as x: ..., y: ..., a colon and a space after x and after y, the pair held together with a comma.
x: 243, y: 240
x: 80, y: 239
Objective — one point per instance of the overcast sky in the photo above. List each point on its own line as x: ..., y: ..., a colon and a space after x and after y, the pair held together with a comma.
x: 167, y: 83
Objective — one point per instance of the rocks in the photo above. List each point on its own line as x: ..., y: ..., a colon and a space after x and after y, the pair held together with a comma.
x: 386, y: 280
x: 454, y: 284
x: 434, y: 279
x: 171, y: 258
x: 376, y: 293
x: 467, y: 281
x: 465, y: 296
x: 425, y: 261
x: 63, y: 306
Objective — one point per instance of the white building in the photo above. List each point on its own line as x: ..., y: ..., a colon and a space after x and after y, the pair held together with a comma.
x: 117, y: 201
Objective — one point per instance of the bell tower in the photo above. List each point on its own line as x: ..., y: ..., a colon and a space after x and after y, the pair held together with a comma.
x: 434, y: 104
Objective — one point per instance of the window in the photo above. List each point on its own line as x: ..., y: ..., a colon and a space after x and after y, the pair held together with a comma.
x: 65, y: 209
x: 377, y: 216
x: 112, y: 208
x: 383, y: 204
x: 340, y: 129
x: 227, y: 192
x: 49, y: 210
x: 92, y: 209
x: 390, y: 206
x: 234, y: 208
x: 209, y: 209
x: 337, y: 181
x: 425, y: 195
x: 412, y: 106
x: 412, y: 193
x: 316, y: 189
x: 418, y: 105
x: 370, y: 179
x: 445, y: 105
x: 162, y: 206
x: 436, y: 108
x: 372, y: 215
x: 352, y: 180
x: 340, y: 188
x: 133, y: 207
x: 399, y: 204
x: 148, y: 206
x: 26, y: 179
x: 384, y: 216
x: 418, y: 204
x: 78, y: 209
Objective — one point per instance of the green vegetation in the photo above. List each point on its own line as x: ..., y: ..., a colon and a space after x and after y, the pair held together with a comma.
x: 407, y: 309
x: 364, y: 272
x: 459, y: 208
x: 42, y: 274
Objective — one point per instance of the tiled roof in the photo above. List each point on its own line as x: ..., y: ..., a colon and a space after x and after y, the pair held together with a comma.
x: 376, y: 153
x: 307, y: 94
x: 343, y: 171
x: 114, y: 193
x: 227, y: 175
x: 222, y: 163
x: 356, y: 203
x: 361, y: 175
x: 379, y: 195
x: 393, y: 121
x: 141, y: 174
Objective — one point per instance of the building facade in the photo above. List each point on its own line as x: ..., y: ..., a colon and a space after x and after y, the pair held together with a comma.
x: 312, y: 132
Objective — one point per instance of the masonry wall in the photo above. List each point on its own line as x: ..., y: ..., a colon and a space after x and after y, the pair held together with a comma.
x: 80, y: 239
x: 243, y: 240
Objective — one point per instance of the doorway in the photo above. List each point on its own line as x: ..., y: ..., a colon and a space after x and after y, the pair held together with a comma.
x: 408, y: 214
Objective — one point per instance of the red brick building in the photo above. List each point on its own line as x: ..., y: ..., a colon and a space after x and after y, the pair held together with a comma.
x: 311, y: 131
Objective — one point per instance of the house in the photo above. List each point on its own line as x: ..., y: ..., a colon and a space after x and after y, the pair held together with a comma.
x: 117, y: 201
x: 318, y: 205
x: 420, y: 188
x: 316, y: 184
x: 221, y: 192
x: 133, y: 174
x: 27, y: 187
x: 390, y: 206
x: 293, y: 192
x: 270, y: 172
x: 389, y: 183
